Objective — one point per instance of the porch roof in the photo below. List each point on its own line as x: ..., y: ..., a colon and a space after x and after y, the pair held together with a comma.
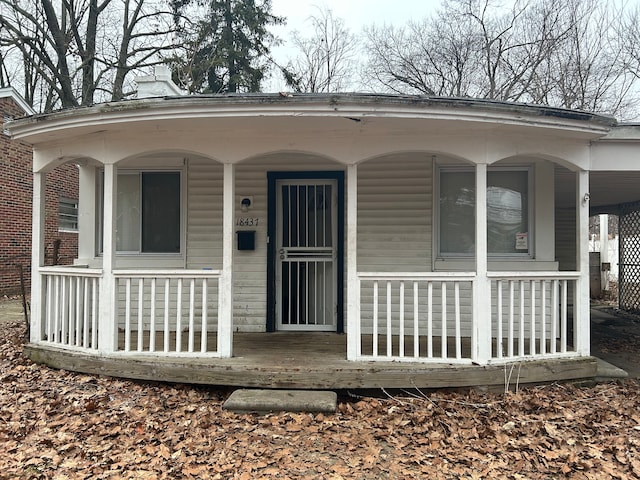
x: 357, y: 107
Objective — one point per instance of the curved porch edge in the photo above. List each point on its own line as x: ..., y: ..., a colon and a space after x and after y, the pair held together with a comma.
x: 334, y: 374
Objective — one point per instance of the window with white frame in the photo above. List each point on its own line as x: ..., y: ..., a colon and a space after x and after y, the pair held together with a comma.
x: 508, y: 211
x: 148, y: 213
x: 67, y: 215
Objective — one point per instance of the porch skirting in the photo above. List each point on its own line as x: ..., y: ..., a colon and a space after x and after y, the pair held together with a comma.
x: 280, y: 363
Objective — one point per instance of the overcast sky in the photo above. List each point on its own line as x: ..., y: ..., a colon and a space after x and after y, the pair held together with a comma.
x: 355, y: 13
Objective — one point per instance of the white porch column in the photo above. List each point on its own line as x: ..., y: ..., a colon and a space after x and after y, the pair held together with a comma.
x: 37, y: 256
x: 581, y: 314
x: 225, y: 289
x: 353, y: 285
x: 107, y: 316
x: 87, y: 209
x: 481, y: 337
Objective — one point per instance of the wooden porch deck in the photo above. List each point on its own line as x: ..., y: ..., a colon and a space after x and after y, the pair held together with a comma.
x: 306, y: 361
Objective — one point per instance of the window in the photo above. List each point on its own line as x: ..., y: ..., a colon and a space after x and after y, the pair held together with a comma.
x: 67, y: 215
x: 148, y: 218
x: 507, y: 212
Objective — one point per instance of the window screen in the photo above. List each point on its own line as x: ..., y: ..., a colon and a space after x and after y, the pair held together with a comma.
x: 161, y: 212
x: 148, y: 212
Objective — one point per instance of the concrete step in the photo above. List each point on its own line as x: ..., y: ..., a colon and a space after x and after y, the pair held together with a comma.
x: 263, y: 401
x: 607, y: 371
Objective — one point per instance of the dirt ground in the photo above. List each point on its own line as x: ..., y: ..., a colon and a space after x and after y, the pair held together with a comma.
x: 615, y: 338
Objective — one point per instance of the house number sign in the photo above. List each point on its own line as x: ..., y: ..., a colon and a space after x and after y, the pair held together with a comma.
x: 247, y: 222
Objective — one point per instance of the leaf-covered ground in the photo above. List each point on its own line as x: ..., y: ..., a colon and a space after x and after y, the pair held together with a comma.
x: 56, y: 424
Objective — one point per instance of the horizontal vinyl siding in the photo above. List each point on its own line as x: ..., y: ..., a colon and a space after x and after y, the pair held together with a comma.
x: 566, y: 239
x: 395, y: 202
x: 204, y: 214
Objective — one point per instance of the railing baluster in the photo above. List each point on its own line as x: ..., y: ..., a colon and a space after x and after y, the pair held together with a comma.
x: 49, y: 307
x: 443, y: 333
x: 85, y: 312
x: 167, y: 332
x: 63, y: 311
x: 127, y: 315
x: 179, y: 316
x: 71, y: 312
x: 78, y: 312
x: 430, y: 320
x: 401, y: 319
x: 56, y: 311
x: 389, y: 339
x: 457, y: 310
x: 203, y: 329
x: 543, y: 315
x: 140, y: 313
x: 375, y: 319
x: 554, y: 316
x: 152, y: 316
x: 192, y: 305
x: 416, y: 320
x: 499, y: 339
x: 512, y: 298
x: 563, y: 325
x: 94, y: 313
x: 532, y: 340
x: 521, y: 333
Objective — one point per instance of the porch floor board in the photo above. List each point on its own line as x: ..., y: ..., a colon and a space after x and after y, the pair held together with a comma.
x: 306, y: 361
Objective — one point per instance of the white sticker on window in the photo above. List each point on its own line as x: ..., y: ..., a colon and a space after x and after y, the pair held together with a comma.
x: 522, y: 241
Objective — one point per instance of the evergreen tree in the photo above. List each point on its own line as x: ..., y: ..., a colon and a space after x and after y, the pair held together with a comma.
x: 228, y: 50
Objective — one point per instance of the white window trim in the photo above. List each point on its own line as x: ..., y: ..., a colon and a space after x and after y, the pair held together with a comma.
x: 145, y: 257
x: 461, y: 259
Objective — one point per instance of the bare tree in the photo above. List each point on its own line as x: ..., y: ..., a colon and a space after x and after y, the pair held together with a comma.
x: 431, y: 57
x: 74, y: 52
x: 566, y: 53
x: 589, y: 69
x: 325, y: 58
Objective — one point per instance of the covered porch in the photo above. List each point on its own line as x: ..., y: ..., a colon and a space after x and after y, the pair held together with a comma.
x: 405, y: 311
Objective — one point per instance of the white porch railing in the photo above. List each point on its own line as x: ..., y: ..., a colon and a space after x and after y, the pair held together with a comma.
x: 429, y: 317
x: 415, y: 317
x: 70, y: 306
x: 531, y: 315
x: 172, y: 312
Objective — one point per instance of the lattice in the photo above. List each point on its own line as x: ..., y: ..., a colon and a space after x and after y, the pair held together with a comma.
x: 629, y: 257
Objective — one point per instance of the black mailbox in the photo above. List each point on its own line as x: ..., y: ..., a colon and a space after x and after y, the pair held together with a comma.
x: 246, y: 239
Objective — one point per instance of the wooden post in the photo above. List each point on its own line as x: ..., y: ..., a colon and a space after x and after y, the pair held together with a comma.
x: 23, y: 295
x: 604, y: 251
x: 55, y: 256
x: 353, y: 285
x: 481, y: 336
x: 108, y: 315
x: 581, y: 314
x: 37, y: 256
x: 225, y: 288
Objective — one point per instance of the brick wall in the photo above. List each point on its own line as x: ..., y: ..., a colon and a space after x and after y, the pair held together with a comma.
x: 16, y: 191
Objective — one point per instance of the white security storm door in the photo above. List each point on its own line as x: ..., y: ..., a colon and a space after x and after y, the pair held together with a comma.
x: 306, y: 255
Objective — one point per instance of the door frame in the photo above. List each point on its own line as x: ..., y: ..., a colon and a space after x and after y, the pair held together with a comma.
x: 272, y: 180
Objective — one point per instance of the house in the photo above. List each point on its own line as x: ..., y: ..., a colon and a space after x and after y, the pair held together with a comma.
x: 15, y: 204
x: 325, y: 241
